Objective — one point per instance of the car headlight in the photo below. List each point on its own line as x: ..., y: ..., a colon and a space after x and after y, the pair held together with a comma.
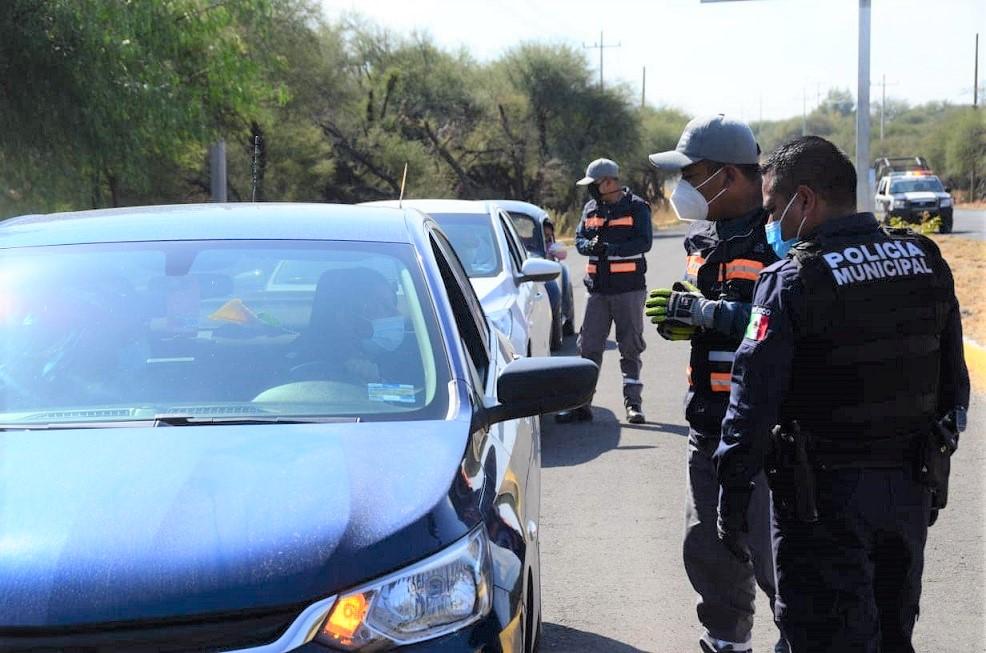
x: 945, y: 201
x: 900, y: 204
x: 501, y: 320
x: 434, y: 597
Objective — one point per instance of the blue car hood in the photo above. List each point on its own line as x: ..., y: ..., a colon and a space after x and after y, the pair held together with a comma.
x: 121, y: 524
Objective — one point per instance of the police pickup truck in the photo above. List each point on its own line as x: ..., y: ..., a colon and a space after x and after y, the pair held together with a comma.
x: 912, y: 193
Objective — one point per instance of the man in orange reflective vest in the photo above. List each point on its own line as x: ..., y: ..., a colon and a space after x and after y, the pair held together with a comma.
x: 726, y: 248
x: 615, y: 232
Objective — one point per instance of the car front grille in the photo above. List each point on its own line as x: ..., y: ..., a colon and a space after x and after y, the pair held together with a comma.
x: 924, y: 204
x: 207, y: 634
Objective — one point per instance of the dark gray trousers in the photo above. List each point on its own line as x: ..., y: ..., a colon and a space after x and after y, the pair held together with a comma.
x: 626, y: 310
x: 727, y: 589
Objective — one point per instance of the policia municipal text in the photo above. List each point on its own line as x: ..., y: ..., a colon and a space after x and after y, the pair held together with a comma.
x: 854, y: 349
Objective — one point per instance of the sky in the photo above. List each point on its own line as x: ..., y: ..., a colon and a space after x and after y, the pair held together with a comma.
x: 752, y: 59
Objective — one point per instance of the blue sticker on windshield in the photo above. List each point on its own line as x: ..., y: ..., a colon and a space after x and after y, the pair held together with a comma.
x: 396, y: 392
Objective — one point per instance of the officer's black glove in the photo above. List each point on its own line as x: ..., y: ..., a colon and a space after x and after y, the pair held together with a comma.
x: 731, y: 524
x: 933, y: 517
x: 597, y: 247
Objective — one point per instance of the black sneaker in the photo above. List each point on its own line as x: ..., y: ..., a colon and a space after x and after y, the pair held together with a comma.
x: 634, y: 414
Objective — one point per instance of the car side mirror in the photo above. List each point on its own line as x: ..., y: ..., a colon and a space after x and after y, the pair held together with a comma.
x: 948, y: 189
x: 534, y: 386
x: 539, y: 269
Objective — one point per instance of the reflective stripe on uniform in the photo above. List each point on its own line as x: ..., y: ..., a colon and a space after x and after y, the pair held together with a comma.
x: 742, y: 268
x: 635, y: 257
x: 622, y: 267
x: 632, y: 382
x: 722, y: 356
x: 693, y: 263
x: 625, y: 221
x: 595, y: 222
x: 720, y: 381
x: 591, y: 268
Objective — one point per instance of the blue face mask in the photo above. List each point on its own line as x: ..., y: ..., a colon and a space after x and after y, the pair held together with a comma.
x: 388, y: 334
x: 775, y: 237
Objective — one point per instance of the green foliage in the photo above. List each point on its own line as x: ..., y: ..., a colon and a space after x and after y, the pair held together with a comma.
x: 110, y: 103
x: 927, y: 225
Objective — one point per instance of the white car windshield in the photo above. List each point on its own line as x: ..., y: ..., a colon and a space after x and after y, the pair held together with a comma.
x: 127, y: 332
x: 918, y: 185
x: 474, y: 242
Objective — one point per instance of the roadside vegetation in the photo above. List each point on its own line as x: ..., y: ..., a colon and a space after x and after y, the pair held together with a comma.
x: 112, y: 104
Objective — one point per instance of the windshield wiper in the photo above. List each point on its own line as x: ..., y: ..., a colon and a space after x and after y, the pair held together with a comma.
x: 194, y: 420
x: 180, y: 420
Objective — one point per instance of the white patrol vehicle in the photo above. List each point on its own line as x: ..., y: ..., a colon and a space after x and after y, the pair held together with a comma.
x: 912, y: 193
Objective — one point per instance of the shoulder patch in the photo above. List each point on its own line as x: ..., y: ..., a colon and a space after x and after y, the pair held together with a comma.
x: 759, y: 323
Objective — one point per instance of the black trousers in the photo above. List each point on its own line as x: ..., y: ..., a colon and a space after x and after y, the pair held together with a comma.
x: 851, y: 582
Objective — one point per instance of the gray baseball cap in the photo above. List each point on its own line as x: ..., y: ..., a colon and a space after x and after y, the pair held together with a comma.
x: 710, y: 138
x: 597, y: 170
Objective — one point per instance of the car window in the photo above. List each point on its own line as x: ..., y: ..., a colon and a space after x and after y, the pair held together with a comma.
x: 529, y: 231
x: 917, y: 185
x: 517, y: 251
x: 465, y: 306
x: 474, y: 241
x: 133, y: 330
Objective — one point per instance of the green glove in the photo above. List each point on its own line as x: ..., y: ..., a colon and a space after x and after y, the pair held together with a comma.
x: 683, y: 303
x: 671, y: 330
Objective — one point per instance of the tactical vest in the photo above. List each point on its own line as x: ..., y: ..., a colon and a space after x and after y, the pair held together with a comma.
x: 727, y: 270
x: 865, y: 373
x: 614, y: 223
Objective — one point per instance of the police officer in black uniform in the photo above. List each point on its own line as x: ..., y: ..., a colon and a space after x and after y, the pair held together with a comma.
x: 725, y: 249
x: 854, y: 349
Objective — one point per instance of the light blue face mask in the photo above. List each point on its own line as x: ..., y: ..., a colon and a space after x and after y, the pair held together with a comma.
x: 388, y: 334
x: 775, y: 237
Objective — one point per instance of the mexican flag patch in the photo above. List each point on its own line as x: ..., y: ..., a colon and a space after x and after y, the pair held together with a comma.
x: 759, y: 323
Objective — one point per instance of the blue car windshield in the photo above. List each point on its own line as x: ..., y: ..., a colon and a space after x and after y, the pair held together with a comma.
x: 131, y: 331
x: 474, y: 242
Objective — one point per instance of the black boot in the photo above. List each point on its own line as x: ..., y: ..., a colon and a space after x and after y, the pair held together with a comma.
x: 634, y: 414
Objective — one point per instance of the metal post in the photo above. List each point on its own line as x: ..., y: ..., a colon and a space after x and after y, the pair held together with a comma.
x: 217, y: 170
x: 643, y: 89
x: 864, y: 194
x: 804, y: 112
x: 975, y: 105
x: 883, y: 111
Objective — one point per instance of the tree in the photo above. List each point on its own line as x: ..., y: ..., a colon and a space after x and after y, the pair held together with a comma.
x: 101, y: 93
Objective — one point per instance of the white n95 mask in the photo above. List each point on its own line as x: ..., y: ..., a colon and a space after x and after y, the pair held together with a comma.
x: 689, y: 204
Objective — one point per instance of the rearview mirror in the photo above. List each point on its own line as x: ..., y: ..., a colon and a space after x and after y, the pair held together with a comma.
x: 948, y: 189
x: 539, y: 269
x: 534, y: 386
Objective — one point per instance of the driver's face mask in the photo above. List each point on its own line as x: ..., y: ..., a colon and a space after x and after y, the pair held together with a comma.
x: 689, y: 204
x: 388, y: 334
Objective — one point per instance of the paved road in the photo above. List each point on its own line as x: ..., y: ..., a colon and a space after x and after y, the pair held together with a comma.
x: 613, y: 513
x: 970, y: 223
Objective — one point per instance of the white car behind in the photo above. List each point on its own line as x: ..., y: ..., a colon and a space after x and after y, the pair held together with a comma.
x: 510, y: 286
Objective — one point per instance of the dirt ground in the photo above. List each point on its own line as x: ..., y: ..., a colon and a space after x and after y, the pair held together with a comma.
x: 967, y: 258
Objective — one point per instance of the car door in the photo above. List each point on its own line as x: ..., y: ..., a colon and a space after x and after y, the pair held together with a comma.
x: 517, y: 447
x: 532, y: 299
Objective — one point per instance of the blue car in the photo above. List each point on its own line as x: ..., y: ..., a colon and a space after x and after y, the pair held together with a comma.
x: 265, y: 428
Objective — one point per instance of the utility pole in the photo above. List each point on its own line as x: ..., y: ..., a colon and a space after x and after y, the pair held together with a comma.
x: 883, y: 103
x: 643, y: 89
x: 975, y: 105
x: 864, y: 194
x: 804, y: 112
x: 602, y: 46
x: 217, y: 170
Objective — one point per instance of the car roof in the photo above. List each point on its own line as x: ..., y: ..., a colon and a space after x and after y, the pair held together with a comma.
x: 243, y: 221
x: 533, y: 210
x: 436, y: 206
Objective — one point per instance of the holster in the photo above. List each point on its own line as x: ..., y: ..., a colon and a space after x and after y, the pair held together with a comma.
x: 790, y: 472
x: 934, y: 459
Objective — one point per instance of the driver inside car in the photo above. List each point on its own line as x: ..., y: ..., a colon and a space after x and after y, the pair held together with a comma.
x: 355, y: 326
